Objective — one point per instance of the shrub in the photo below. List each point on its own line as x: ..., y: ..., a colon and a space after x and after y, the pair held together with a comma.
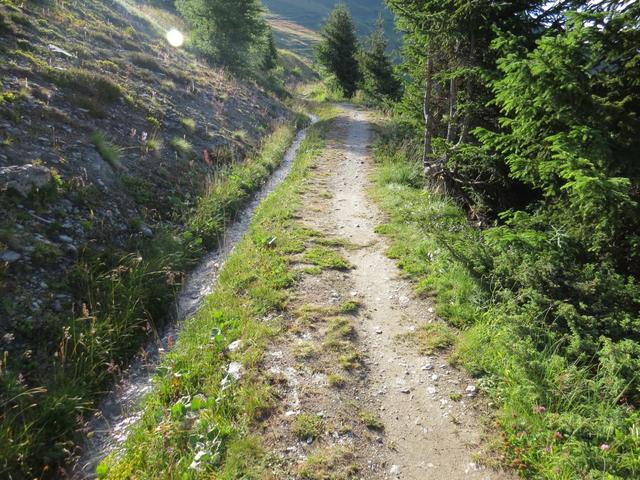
x: 94, y: 85
x: 145, y: 61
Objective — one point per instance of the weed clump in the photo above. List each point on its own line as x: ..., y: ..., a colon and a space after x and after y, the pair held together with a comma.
x: 371, y: 420
x: 326, y: 258
x: 431, y: 337
x: 95, y: 85
x: 307, y: 426
x: 303, y: 351
x: 181, y: 146
x: 109, y: 153
x: 336, y: 380
x: 145, y: 61
x: 350, y: 307
x: 188, y: 123
x: 45, y: 253
x: 329, y: 463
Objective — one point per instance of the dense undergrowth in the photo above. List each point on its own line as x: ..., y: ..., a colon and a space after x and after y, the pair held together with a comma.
x: 564, y: 380
x: 197, y: 421
x: 126, y: 298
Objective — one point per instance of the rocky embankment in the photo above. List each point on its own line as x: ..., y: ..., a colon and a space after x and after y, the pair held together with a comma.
x: 103, y: 134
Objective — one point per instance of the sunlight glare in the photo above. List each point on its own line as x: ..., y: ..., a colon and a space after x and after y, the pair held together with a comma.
x: 175, y: 38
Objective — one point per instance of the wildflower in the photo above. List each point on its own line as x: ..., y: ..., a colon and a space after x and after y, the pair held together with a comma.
x: 557, y: 435
x: 133, y: 132
x: 539, y: 409
x: 604, y: 447
x: 170, y: 341
x: 144, y: 136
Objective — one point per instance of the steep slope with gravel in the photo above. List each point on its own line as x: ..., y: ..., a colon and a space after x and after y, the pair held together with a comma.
x: 109, y: 139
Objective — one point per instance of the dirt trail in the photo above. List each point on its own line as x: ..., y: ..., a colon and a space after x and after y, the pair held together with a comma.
x: 425, y: 434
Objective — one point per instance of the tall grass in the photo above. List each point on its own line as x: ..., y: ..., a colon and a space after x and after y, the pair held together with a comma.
x: 212, y: 439
x: 228, y: 188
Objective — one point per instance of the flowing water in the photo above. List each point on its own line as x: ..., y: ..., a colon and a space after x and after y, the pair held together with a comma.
x: 109, y: 428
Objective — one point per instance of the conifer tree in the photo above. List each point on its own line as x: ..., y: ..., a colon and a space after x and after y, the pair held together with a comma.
x: 338, y: 49
x: 378, y: 78
x: 269, y: 51
x: 226, y: 31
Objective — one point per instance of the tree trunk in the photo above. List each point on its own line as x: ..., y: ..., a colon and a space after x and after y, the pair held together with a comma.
x: 453, y: 98
x: 426, y: 112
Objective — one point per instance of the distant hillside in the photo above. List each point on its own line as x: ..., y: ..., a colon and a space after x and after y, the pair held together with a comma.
x: 311, y: 14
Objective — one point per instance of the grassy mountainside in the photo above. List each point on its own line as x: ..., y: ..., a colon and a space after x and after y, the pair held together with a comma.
x: 293, y: 36
x: 121, y: 158
x: 309, y: 15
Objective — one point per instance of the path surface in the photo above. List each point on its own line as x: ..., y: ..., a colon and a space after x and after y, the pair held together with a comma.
x: 426, y: 434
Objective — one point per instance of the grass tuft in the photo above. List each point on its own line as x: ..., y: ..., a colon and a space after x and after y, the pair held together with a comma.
x: 371, y: 420
x: 431, y: 337
x: 306, y: 426
x: 109, y: 153
x: 145, y: 61
x: 329, y: 464
x: 350, y: 307
x: 336, y: 380
x: 189, y: 124
x: 182, y: 147
x: 94, y: 85
x: 326, y: 258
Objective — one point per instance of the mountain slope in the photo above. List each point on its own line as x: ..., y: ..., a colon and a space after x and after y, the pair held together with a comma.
x: 109, y: 138
x: 311, y: 15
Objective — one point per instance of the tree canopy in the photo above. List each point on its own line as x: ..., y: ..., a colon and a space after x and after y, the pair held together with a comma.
x: 226, y: 31
x: 528, y: 112
x: 338, y: 49
x: 379, y: 81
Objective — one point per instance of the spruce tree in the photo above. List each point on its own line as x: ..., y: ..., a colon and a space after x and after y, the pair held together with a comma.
x: 338, y: 49
x: 269, y: 51
x: 226, y: 31
x: 378, y: 79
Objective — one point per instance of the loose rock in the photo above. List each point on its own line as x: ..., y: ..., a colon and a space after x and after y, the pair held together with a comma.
x: 24, y: 178
x: 9, y: 256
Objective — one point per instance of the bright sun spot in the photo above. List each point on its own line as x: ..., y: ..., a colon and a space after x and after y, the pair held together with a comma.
x: 175, y: 38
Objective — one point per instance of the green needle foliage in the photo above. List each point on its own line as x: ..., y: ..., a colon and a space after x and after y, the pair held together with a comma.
x: 269, y: 51
x: 379, y: 82
x: 226, y: 31
x: 528, y: 112
x: 338, y: 49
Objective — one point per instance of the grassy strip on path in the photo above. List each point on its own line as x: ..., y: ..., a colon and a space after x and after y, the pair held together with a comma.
x: 127, y: 293
x: 557, y: 419
x: 197, y: 421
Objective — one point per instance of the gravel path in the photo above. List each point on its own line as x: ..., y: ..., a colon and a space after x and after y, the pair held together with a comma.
x: 430, y: 411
